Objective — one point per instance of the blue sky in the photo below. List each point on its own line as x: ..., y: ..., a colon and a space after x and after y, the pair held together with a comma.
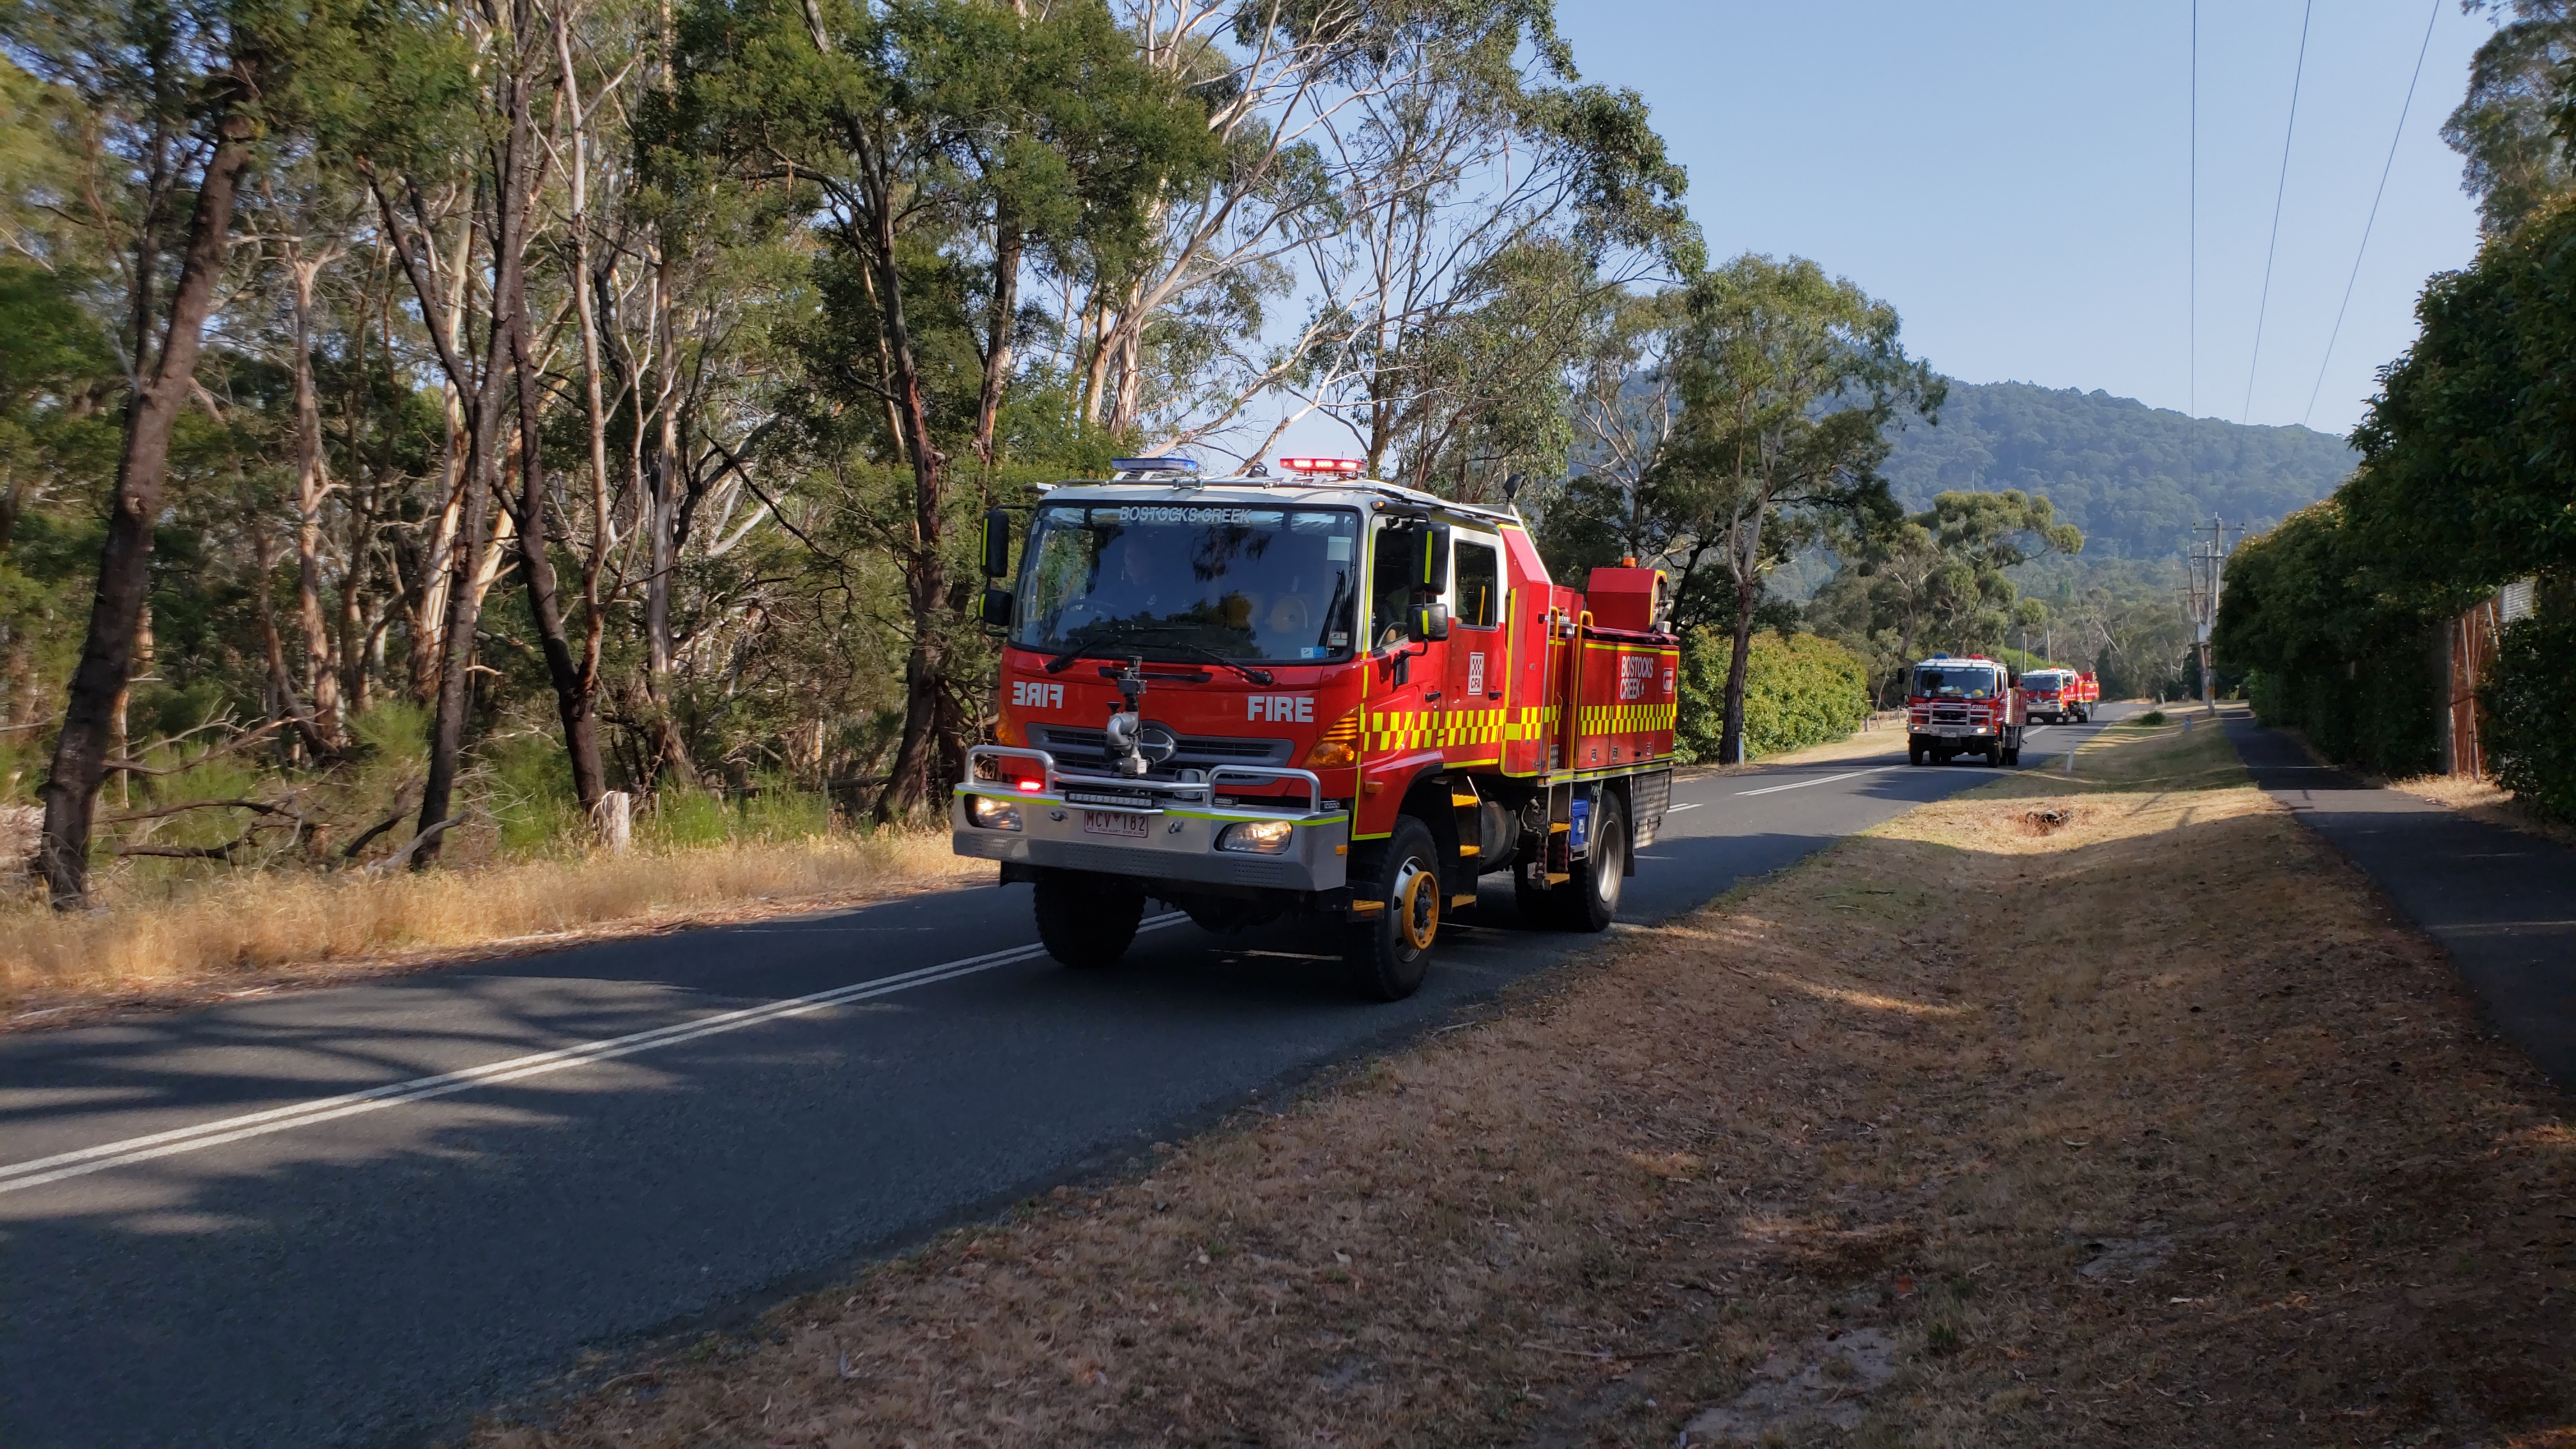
x: 2014, y: 177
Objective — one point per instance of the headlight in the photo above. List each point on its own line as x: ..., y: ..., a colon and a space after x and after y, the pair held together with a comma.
x: 992, y: 813
x: 1257, y: 837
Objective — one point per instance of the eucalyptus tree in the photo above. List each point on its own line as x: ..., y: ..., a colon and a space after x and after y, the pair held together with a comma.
x: 1789, y: 380
x: 1492, y: 204
x: 2513, y: 126
x: 936, y: 139
x: 182, y: 100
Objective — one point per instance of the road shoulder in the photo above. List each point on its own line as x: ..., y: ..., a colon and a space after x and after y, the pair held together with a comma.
x: 2501, y: 901
x: 2063, y: 1111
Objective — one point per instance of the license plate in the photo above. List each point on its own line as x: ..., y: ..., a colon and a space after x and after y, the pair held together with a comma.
x: 1113, y: 822
x: 1954, y: 729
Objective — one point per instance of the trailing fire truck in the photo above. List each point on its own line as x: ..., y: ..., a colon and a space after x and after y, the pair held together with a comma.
x: 1963, y: 705
x: 2059, y: 695
x: 1316, y: 693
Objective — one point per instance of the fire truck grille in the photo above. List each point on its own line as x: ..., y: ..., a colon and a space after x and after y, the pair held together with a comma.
x: 1087, y: 749
x: 1949, y: 716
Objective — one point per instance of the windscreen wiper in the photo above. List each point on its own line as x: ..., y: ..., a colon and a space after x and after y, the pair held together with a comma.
x: 1256, y: 676
x: 1099, y: 648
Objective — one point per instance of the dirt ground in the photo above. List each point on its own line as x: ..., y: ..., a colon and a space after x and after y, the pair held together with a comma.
x: 2111, y: 1111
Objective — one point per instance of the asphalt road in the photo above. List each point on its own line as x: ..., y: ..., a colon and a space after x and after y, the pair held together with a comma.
x: 2501, y: 902
x: 359, y: 1216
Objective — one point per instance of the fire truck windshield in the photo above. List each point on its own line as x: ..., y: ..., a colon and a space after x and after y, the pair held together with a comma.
x: 1956, y: 681
x: 1257, y: 584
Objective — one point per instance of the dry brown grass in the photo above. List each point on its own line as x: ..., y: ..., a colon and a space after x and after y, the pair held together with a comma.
x: 2483, y: 799
x: 2145, y: 1128
x: 261, y: 930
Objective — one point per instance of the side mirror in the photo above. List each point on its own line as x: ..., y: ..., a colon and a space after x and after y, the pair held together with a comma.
x: 997, y: 544
x: 1431, y: 569
x: 997, y: 608
x: 1431, y: 621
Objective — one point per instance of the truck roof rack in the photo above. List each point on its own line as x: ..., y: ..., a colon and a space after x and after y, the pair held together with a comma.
x: 1190, y: 479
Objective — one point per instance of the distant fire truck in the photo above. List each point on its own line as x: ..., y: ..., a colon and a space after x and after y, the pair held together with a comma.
x: 1249, y: 696
x: 2060, y: 695
x: 1957, y: 705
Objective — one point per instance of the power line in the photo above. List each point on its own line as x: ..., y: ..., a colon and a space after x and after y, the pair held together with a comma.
x: 2389, y: 165
x: 2298, y: 73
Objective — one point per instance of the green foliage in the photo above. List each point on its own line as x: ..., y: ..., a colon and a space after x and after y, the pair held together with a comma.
x: 1939, y: 581
x: 2465, y: 485
x: 1799, y: 690
x: 2134, y: 479
x: 2511, y: 126
x: 2529, y: 699
x: 2325, y: 650
x: 2150, y: 719
x: 2467, y: 470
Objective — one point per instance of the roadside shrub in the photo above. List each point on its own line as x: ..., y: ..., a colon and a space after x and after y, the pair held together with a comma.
x: 2326, y: 647
x: 1799, y: 690
x: 2150, y: 719
x: 2529, y: 697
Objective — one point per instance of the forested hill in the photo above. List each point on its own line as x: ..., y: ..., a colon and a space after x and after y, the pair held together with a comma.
x: 2134, y: 478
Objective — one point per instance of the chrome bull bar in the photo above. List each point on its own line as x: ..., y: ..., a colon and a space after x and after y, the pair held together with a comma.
x: 1200, y: 792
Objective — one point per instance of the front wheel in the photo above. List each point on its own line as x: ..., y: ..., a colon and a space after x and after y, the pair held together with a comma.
x: 1388, y: 953
x: 1086, y: 921
x: 1914, y: 754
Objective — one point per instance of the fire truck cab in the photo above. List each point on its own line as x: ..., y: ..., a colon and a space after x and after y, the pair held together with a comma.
x: 2059, y: 695
x: 1963, y: 705
x: 1314, y: 693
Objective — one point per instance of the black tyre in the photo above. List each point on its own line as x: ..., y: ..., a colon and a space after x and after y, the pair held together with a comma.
x: 1994, y: 755
x: 1086, y: 921
x: 1389, y: 953
x: 1914, y: 754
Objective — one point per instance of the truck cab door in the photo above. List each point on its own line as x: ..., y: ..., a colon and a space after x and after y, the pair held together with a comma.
x: 1478, y: 675
x: 1407, y: 679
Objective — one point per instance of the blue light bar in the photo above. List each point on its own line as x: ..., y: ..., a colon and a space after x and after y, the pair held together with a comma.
x: 1154, y: 465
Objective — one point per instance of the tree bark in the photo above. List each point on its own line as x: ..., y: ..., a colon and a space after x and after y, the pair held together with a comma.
x: 925, y: 571
x: 1748, y: 587
x: 1007, y: 244
x: 124, y: 566
x: 312, y: 484
x: 573, y: 699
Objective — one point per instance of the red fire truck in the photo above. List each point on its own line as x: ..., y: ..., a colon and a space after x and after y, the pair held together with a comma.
x: 2059, y: 695
x: 1255, y: 695
x: 1963, y: 705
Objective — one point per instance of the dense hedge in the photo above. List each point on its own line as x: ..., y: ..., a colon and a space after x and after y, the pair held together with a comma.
x: 1799, y: 690
x: 2529, y: 699
x: 2325, y: 650
x: 2467, y: 482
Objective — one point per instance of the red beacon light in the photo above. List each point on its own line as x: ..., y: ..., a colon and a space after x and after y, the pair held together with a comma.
x: 1326, y: 467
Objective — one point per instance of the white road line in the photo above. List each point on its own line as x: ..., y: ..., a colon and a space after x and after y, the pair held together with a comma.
x: 304, y: 1114
x: 1822, y: 780
x: 1678, y: 809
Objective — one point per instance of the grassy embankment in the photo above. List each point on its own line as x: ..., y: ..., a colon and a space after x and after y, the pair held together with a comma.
x: 2111, y: 1110
x: 230, y: 935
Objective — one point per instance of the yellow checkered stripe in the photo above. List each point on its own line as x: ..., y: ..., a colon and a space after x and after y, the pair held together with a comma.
x: 1435, y: 729
x: 1626, y: 719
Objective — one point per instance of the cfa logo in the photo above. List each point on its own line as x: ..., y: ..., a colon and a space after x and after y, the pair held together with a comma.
x: 1037, y: 694
x: 1280, y: 708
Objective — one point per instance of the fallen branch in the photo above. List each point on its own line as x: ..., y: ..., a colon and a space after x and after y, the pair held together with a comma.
x: 137, y: 767
x: 415, y: 843
x: 350, y: 852
x: 262, y: 806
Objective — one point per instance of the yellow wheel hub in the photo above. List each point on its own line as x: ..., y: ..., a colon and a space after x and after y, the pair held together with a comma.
x: 1417, y: 904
